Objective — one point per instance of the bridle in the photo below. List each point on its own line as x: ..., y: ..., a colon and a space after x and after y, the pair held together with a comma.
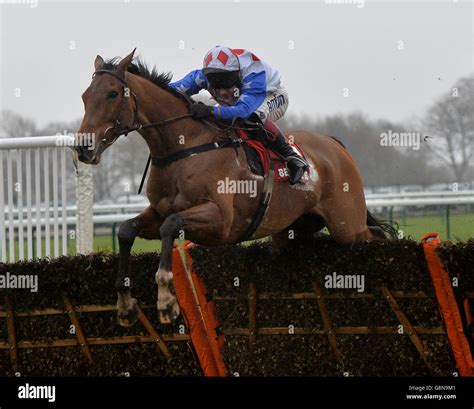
x: 118, y: 121
x: 136, y: 126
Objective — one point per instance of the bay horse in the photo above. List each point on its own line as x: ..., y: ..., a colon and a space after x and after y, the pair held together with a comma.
x: 183, y: 195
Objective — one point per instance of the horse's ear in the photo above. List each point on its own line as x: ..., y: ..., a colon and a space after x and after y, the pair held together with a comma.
x: 125, y: 62
x: 98, y: 63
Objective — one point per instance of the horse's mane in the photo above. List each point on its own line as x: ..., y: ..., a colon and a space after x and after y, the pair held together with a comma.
x: 161, y: 79
x: 140, y: 68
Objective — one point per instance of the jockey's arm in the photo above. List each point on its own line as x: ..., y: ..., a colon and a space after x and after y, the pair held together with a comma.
x: 191, y: 84
x: 252, y: 96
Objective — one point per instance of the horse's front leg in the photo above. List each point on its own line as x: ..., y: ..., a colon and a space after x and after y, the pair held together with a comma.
x: 146, y: 225
x: 208, y: 220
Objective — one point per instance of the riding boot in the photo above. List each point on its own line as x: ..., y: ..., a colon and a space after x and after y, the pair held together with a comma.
x: 296, y: 164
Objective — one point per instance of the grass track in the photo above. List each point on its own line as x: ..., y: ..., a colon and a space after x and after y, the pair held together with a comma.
x: 462, y: 228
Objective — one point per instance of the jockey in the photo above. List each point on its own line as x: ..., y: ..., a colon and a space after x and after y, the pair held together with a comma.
x: 246, y: 87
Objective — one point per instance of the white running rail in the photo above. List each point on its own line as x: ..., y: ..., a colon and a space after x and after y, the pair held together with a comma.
x: 33, y: 205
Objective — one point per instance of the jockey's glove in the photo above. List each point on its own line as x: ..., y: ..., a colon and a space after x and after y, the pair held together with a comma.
x: 201, y: 111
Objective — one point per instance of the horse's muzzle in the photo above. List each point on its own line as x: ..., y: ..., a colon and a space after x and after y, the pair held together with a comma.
x: 87, y: 155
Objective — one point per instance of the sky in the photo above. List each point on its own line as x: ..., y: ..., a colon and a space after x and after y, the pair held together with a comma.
x: 387, y: 59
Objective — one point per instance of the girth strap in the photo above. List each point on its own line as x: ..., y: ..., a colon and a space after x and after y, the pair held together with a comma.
x: 167, y: 160
x: 263, y: 204
x: 265, y: 197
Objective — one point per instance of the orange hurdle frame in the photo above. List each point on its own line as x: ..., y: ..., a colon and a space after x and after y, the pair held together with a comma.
x: 198, y: 312
x: 448, y: 306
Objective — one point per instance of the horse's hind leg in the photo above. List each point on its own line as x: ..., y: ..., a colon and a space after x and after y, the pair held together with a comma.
x: 304, y: 229
x: 145, y: 225
x: 357, y: 225
x: 345, y: 214
x: 346, y: 226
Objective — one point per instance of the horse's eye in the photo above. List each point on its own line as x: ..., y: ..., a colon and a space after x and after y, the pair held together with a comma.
x: 112, y: 94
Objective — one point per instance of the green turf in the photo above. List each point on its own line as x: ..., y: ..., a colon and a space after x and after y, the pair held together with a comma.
x: 462, y: 228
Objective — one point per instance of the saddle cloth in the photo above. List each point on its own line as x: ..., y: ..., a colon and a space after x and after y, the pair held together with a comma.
x: 258, y: 158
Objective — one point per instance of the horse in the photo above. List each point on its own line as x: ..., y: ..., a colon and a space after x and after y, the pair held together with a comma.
x: 184, y: 202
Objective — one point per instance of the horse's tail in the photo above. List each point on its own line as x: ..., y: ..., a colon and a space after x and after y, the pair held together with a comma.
x: 387, y: 229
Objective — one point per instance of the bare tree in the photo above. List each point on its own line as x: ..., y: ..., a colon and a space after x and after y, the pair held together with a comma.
x: 53, y: 128
x: 62, y: 127
x: 451, y: 124
x: 124, y: 160
x: 15, y: 126
x: 380, y: 165
x: 133, y: 153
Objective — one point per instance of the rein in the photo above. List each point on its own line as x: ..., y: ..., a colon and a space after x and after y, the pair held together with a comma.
x: 161, y: 162
x: 138, y: 126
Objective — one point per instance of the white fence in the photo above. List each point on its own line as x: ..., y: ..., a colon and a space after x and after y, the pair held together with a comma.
x: 33, y: 196
x: 26, y: 162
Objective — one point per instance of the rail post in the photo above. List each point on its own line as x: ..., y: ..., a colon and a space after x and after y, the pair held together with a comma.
x: 448, y: 222
x: 114, y: 233
x: 84, y: 200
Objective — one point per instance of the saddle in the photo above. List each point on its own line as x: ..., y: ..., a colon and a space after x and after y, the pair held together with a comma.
x: 259, y: 157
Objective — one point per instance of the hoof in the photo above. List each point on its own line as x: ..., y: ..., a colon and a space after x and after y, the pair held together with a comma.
x: 128, y: 317
x: 169, y: 312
